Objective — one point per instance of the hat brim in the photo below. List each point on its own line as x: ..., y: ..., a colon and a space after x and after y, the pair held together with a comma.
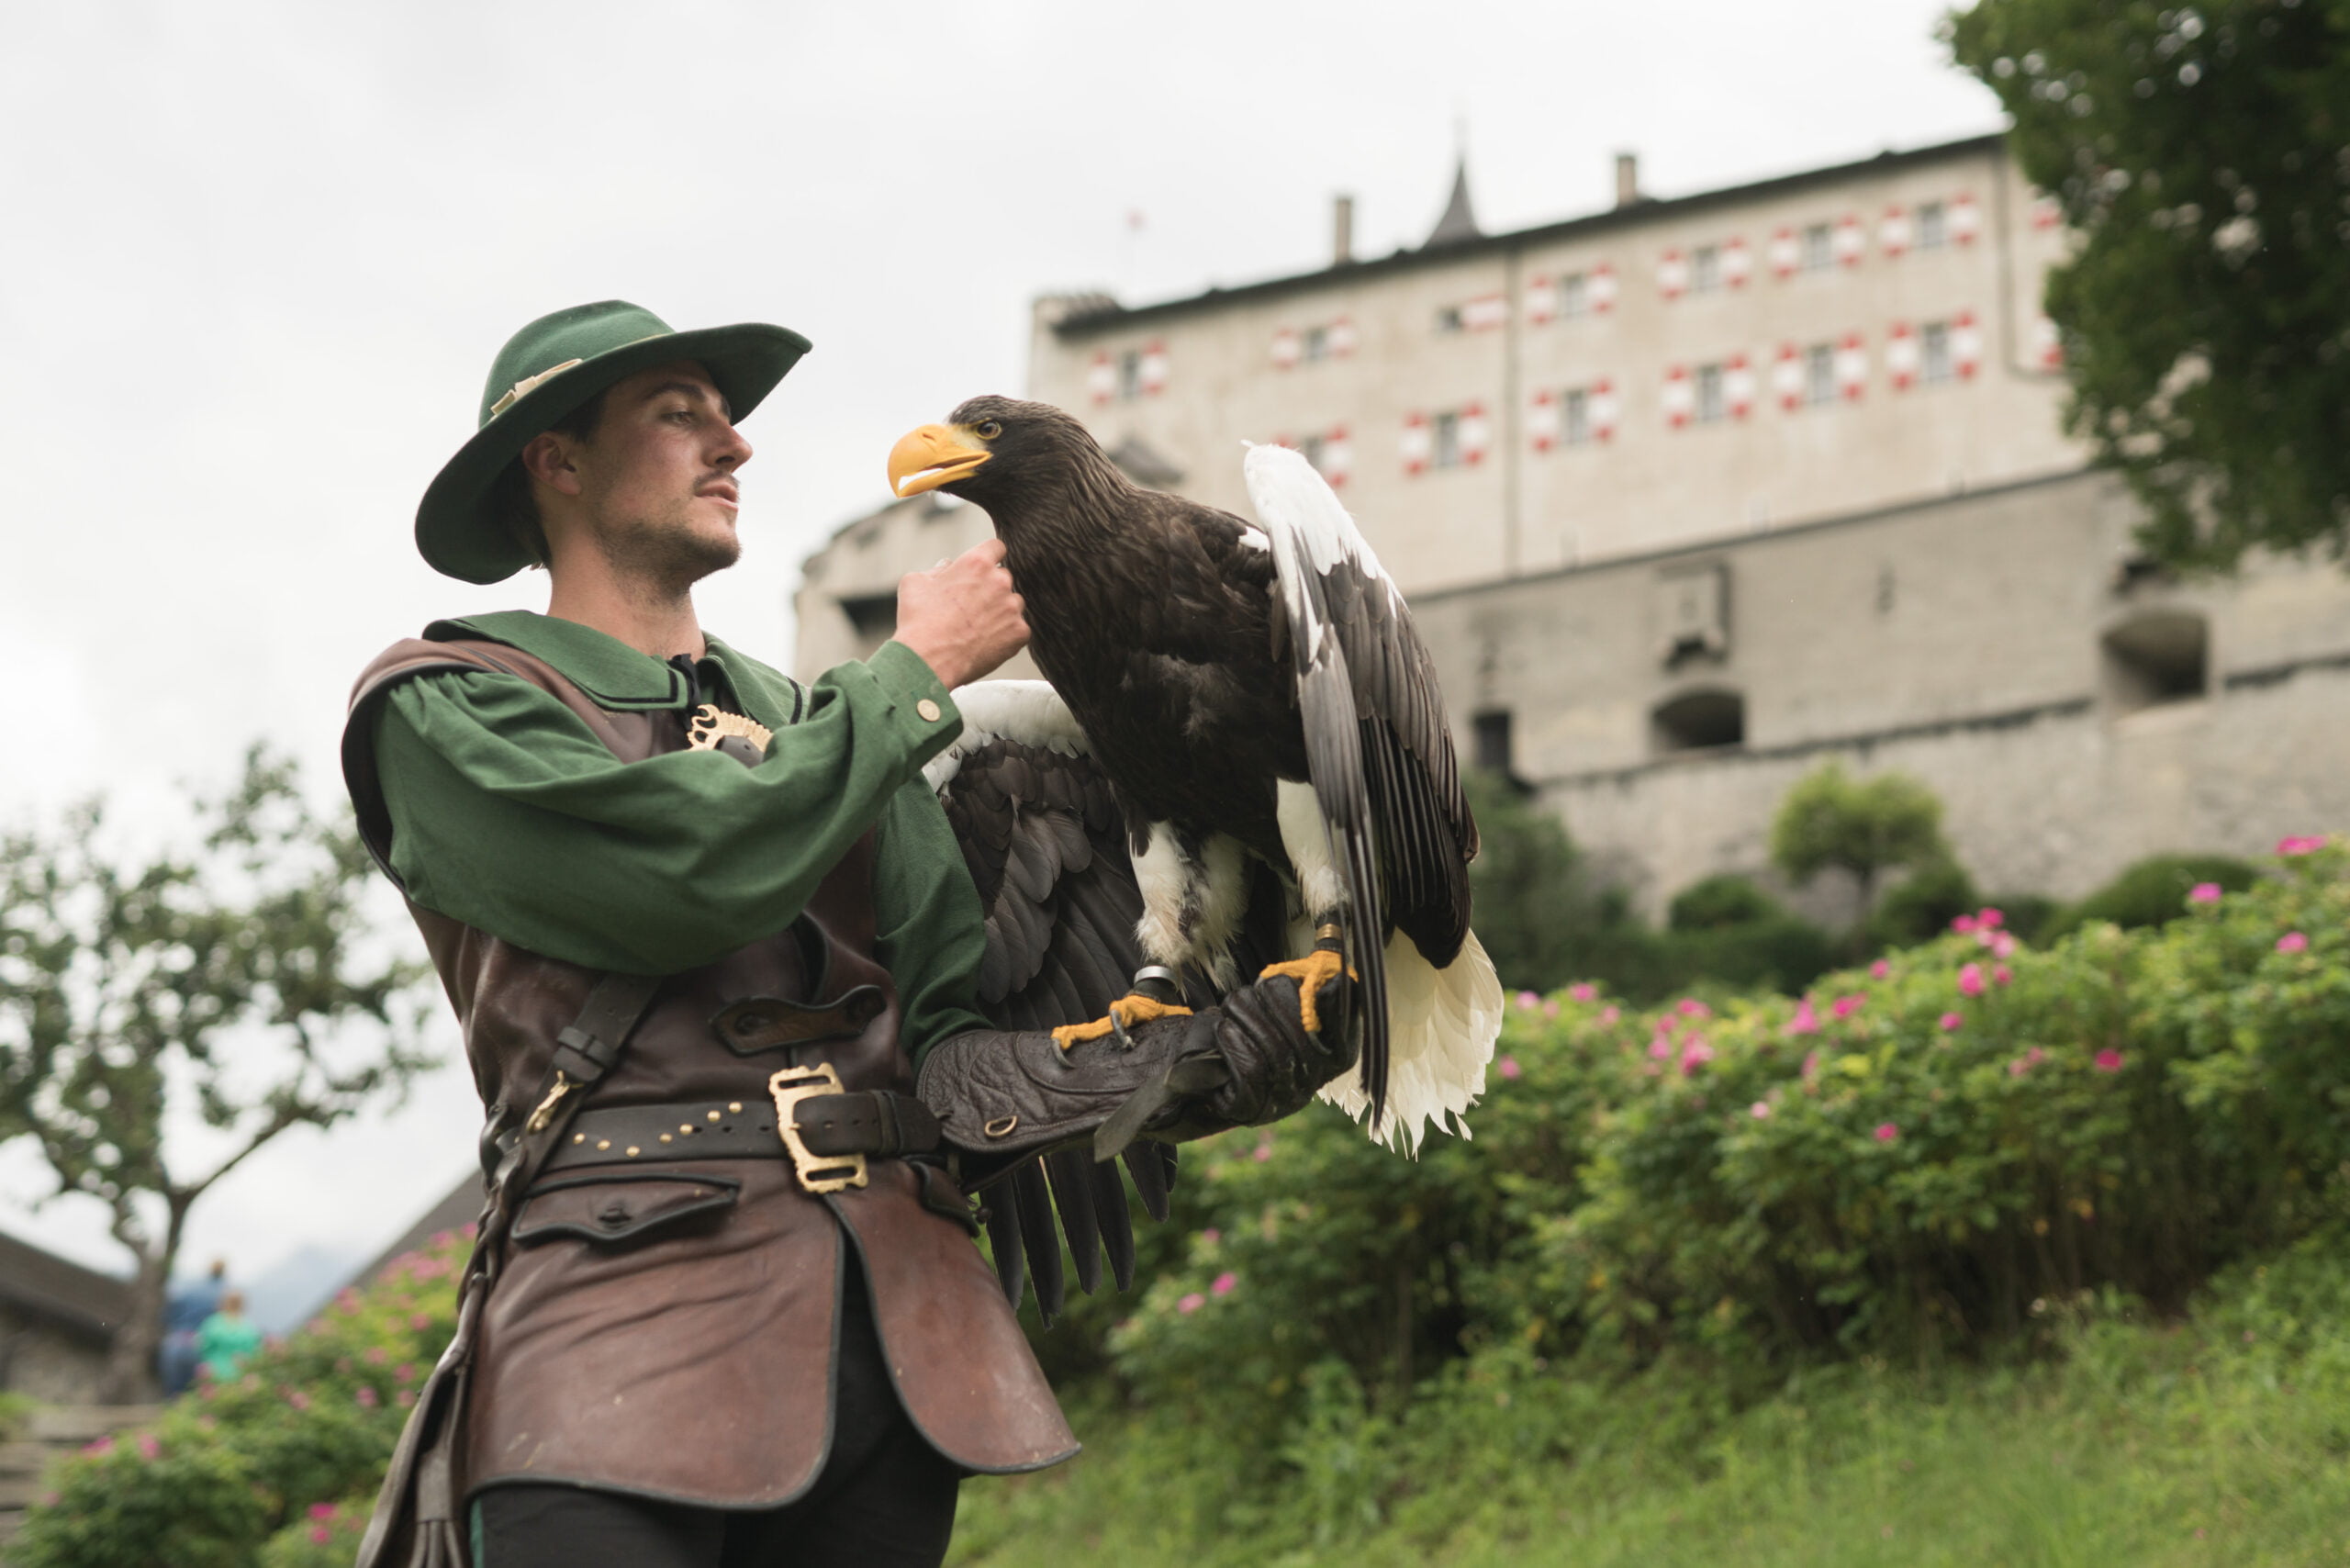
x: 455, y: 531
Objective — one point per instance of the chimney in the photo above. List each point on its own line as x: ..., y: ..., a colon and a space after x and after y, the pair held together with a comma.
x: 1627, y: 178
x: 1342, y: 231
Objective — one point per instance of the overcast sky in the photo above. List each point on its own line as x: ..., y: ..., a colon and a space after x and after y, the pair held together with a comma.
x: 256, y: 255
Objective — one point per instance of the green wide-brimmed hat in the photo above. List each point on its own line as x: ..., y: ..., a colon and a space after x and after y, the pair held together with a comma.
x: 547, y: 370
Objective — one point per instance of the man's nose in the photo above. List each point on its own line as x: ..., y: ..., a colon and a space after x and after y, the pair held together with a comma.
x: 732, y: 450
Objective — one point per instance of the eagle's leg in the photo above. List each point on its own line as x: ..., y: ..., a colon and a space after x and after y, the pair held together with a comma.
x: 1195, y: 889
x: 1320, y: 889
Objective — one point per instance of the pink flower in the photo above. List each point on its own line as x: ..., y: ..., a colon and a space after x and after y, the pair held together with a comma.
x: 1879, y: 970
x: 442, y: 1238
x: 322, y: 1510
x: 1970, y: 980
x: 469, y: 1229
x: 2002, y: 975
x: 320, y: 1534
x: 1951, y: 1022
x: 378, y: 1355
x: 1760, y: 1110
x: 1804, y: 1021
x: 1886, y: 1132
x: 2300, y: 846
x: 1551, y: 1008
x: 1191, y: 1304
x: 148, y: 1446
x: 1583, y: 990
x: 1264, y: 1151
x: 1694, y: 1055
x: 1811, y: 1065
x: 2109, y: 1060
x: 2026, y: 1062
x: 1689, y: 1007
x: 1224, y: 1283
x: 2003, y: 946
x: 1848, y: 1005
x: 1660, y: 1047
x: 1609, y: 1014
x: 404, y: 1373
x: 405, y: 1398
x: 366, y: 1397
x: 1212, y: 1236
x: 1508, y: 1066
x: 1992, y: 918
x: 1962, y: 923
x: 1528, y: 1001
x: 2292, y: 942
x: 296, y: 1398
x: 420, y: 1321
x: 2204, y: 892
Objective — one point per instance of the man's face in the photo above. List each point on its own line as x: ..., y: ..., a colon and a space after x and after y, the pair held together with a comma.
x: 657, y: 481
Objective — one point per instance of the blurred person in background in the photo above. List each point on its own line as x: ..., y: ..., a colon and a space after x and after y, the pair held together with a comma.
x: 184, y: 1316
x: 228, y: 1339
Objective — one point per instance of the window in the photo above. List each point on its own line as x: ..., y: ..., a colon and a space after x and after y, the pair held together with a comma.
x: 1447, y: 318
x: 1130, y: 373
x: 1819, y: 253
x: 1490, y: 736
x: 1706, y: 269
x: 1712, y: 405
x: 1448, y: 441
x: 1574, y: 295
x: 1314, y: 345
x: 1935, y: 362
x: 873, y: 617
x: 1698, y: 720
x: 2162, y: 655
x: 1820, y: 375
x: 1933, y: 226
x: 1575, y: 417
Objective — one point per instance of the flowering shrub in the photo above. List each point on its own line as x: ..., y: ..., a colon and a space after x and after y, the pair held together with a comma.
x: 1908, y: 1155
x: 293, y: 1448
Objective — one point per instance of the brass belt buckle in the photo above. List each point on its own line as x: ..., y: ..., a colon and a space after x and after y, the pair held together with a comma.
x: 817, y: 1173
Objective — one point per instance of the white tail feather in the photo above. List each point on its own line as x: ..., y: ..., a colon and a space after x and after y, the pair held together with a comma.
x: 1441, y: 1028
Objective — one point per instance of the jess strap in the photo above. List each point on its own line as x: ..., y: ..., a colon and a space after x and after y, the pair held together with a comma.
x: 875, y: 1122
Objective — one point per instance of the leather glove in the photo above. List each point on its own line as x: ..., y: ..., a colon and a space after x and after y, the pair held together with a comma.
x: 1275, y: 1066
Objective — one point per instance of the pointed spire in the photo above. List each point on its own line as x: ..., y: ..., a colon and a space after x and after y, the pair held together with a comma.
x: 1460, y: 220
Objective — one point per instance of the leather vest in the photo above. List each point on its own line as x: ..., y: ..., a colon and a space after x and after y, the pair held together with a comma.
x: 669, y: 1330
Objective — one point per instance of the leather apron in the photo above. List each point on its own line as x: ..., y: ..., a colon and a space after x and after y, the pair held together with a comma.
x: 668, y: 1327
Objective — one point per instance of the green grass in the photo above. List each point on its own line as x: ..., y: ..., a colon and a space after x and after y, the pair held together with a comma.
x: 2224, y: 1439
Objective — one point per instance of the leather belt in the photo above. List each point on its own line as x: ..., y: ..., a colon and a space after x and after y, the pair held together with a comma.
x: 830, y: 1131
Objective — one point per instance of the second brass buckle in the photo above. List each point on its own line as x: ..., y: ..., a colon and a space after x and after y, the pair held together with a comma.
x: 818, y: 1173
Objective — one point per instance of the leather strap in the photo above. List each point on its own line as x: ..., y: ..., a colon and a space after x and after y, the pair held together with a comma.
x: 873, y: 1122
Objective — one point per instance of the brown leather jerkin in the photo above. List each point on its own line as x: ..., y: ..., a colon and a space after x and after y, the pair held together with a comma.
x: 690, y: 1359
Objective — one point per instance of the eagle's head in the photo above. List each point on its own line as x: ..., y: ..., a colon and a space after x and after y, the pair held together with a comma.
x: 999, y: 451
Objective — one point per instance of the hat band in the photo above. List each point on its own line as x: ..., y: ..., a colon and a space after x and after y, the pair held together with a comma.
x: 527, y: 385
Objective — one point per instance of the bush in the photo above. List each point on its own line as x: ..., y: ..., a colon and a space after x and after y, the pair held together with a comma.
x: 295, y: 1446
x: 1921, y: 905
x: 2153, y: 892
x: 1522, y: 884
x: 1902, y: 1161
x: 1716, y: 901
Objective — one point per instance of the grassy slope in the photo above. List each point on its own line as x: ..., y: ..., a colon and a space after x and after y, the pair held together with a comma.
x: 2223, y: 1440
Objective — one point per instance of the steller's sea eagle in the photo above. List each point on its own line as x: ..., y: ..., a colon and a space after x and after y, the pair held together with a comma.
x: 1258, y: 699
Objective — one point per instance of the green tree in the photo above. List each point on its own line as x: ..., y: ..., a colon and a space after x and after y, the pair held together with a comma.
x: 1521, y: 885
x: 240, y: 983
x: 1863, y: 826
x: 2198, y: 152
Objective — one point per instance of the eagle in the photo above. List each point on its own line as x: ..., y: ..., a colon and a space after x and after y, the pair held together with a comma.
x: 1271, y: 730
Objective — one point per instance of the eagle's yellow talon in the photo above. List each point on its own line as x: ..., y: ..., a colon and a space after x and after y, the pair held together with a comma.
x: 1311, y: 972
x: 1131, y: 1010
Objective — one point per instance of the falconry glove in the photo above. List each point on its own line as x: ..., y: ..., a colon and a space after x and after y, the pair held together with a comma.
x: 1003, y: 1096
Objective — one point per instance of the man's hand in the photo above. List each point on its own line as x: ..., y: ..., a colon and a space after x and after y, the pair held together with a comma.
x: 964, y: 618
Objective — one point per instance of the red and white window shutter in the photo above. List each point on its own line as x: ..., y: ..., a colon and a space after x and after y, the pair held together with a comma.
x: 1680, y: 397
x: 1484, y: 312
x: 1605, y: 409
x: 2045, y: 213
x: 1154, y: 367
x: 1342, y: 337
x: 1737, y: 262
x: 1599, y: 288
x: 1849, y: 241
x: 1738, y: 386
x: 1476, y: 433
x: 1337, y: 457
x: 1542, y: 421
x: 1966, y: 344
x: 1785, y: 253
x: 1102, y: 378
x: 1416, y: 443
x: 1893, y: 232
x: 1541, y: 301
x: 1285, y: 348
x: 1965, y: 218
x: 1901, y: 357
x: 2047, y: 348
x: 1672, y: 275
x: 1852, y: 367
x: 1786, y: 378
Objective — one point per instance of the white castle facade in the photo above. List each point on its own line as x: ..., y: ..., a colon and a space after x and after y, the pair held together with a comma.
x: 1690, y: 495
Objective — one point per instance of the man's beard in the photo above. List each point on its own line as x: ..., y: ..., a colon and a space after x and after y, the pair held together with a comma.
x: 667, y: 556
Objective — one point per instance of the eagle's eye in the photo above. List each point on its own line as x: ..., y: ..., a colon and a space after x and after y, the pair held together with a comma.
x: 988, y: 430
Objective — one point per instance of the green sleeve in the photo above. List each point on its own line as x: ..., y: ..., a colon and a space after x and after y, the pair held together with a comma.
x: 509, y: 815
x: 928, y: 921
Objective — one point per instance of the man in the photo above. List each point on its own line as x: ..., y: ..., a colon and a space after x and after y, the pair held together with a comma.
x: 703, y: 927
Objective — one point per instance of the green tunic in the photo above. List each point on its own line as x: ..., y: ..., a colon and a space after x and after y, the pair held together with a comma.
x: 509, y: 815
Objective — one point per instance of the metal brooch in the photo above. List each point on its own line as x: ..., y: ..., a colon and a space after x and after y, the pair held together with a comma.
x: 711, y: 724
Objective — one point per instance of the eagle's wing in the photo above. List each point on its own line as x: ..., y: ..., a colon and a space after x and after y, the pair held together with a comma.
x: 1041, y: 831
x: 1378, y: 746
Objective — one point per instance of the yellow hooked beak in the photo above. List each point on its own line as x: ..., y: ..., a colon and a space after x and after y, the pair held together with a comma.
x: 933, y: 456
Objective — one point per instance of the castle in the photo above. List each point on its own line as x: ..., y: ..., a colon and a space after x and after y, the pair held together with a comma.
x: 1690, y: 495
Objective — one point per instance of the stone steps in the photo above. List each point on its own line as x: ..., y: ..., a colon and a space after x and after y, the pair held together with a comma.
x: 55, y: 1430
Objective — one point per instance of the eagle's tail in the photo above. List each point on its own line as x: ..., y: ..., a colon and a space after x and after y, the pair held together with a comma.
x: 1442, y: 1024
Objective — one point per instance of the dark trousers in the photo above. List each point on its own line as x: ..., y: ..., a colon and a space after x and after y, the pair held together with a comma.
x: 886, y: 1498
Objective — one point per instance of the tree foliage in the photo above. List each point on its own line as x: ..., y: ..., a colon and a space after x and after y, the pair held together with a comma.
x: 2201, y: 153
x: 237, y: 984
x: 1866, y: 826
x: 1521, y: 885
